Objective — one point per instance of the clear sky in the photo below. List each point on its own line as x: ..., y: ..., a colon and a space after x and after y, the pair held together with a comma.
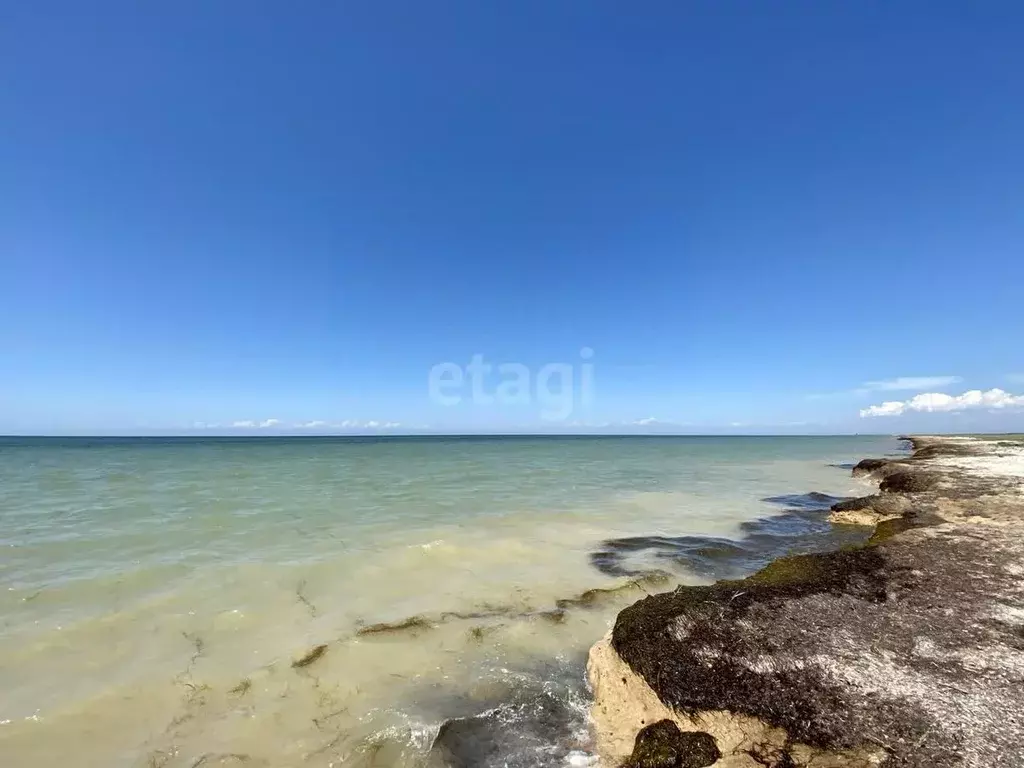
x: 756, y: 216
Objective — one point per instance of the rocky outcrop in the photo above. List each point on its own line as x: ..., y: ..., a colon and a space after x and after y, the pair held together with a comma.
x: 906, y: 652
x: 877, y: 467
x: 869, y: 510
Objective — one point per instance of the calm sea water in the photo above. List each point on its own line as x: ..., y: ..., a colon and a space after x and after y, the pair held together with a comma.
x: 156, y: 592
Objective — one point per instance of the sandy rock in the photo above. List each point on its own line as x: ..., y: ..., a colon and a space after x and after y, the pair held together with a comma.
x: 869, y: 510
x: 738, y: 761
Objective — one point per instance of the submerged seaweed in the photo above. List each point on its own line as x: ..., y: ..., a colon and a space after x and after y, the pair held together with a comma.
x: 411, y: 624
x: 802, y: 527
x: 311, y: 656
x: 804, y: 501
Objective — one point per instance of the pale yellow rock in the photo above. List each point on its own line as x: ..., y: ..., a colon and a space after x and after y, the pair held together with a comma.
x: 865, y: 517
x: 738, y: 761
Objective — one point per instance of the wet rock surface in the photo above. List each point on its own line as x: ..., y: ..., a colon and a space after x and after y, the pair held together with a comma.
x: 494, y: 737
x: 906, y: 652
x: 529, y: 727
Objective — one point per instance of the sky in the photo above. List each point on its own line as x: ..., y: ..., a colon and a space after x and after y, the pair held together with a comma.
x: 228, y: 217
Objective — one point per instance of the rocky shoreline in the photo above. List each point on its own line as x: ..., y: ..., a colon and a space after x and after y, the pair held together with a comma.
x: 908, y: 651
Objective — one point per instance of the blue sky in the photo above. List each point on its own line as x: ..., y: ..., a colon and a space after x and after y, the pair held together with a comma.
x: 758, y: 216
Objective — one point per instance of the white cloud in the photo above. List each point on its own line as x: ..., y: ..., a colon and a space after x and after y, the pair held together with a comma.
x: 349, y: 424
x: 250, y: 424
x: 908, y: 383
x: 650, y: 422
x: 898, y: 384
x: 890, y: 408
x: 352, y: 424
x: 930, y: 402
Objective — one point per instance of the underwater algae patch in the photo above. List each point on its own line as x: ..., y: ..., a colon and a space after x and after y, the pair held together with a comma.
x: 801, y: 524
x: 310, y: 657
x: 411, y: 624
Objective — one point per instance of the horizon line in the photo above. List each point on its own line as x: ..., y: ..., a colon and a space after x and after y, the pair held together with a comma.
x: 265, y: 436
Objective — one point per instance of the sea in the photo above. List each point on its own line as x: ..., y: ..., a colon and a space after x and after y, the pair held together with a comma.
x: 356, y: 601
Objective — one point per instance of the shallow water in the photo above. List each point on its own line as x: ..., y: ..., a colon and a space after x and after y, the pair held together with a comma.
x: 156, y: 592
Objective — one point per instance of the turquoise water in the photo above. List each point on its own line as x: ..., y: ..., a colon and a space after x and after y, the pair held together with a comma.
x: 155, y: 591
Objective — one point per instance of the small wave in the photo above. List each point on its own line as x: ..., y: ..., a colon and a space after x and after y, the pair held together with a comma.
x: 812, y: 500
x: 529, y: 717
x: 540, y: 725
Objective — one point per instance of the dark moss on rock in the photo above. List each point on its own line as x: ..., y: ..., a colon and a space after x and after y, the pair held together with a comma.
x: 909, y: 482
x: 663, y: 745
x: 886, y: 529
x: 707, y: 671
x: 938, y: 450
x: 889, y: 528
x: 893, y: 647
x: 855, y: 505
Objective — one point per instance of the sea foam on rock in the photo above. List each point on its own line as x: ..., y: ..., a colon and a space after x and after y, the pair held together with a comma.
x: 908, y: 652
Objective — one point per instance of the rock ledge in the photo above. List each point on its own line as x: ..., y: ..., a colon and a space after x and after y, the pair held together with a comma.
x: 906, y: 652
